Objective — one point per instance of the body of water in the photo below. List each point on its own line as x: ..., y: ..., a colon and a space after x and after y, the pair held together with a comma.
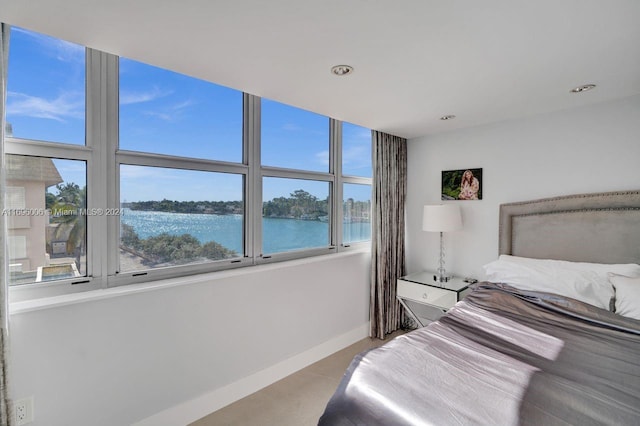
x: 278, y: 234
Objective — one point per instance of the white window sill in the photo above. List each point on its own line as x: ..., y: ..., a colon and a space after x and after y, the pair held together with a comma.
x: 93, y: 295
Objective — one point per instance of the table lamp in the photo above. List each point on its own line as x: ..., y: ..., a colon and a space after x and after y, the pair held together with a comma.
x: 442, y: 218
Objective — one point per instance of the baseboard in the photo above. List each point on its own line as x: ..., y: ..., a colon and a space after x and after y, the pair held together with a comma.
x: 195, y: 409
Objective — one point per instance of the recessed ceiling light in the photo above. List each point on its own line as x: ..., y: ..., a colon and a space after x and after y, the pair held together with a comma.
x: 582, y: 88
x: 342, y: 70
x: 447, y: 117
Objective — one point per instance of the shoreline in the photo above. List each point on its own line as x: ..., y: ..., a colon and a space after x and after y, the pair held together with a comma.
x: 316, y: 219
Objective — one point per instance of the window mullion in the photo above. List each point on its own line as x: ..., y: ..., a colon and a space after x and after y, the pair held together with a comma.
x: 135, y: 158
x: 100, y: 67
x: 110, y: 143
x: 335, y: 161
x: 352, y: 200
x: 296, y: 174
x: 254, y: 181
x: 357, y: 180
x: 30, y: 147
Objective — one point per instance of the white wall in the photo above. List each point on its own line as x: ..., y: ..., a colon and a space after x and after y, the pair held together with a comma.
x: 590, y: 149
x: 121, y: 359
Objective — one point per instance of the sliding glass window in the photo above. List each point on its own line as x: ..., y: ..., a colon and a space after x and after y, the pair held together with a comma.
x: 164, y: 112
x: 46, y: 161
x: 297, y: 180
x: 356, y: 188
x: 173, y: 223
x: 45, y: 89
x: 293, y: 138
x: 121, y: 172
x: 181, y: 172
x: 295, y: 215
x: 356, y: 213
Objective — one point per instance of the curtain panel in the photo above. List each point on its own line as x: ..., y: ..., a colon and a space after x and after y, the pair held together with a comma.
x: 388, y: 223
x: 5, y: 418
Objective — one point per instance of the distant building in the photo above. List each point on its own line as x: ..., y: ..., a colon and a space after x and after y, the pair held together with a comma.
x: 27, y: 181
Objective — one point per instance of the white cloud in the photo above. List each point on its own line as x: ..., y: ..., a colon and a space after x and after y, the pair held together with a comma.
x: 183, y: 105
x: 291, y: 127
x: 128, y: 98
x: 161, y: 115
x: 171, y: 113
x: 65, y: 106
x: 356, y: 153
x: 357, y: 157
x: 356, y: 134
x: 323, y: 157
x: 60, y: 49
x: 364, y: 135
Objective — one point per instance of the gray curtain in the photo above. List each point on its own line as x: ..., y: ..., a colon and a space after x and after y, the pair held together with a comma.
x: 5, y: 418
x: 387, y: 239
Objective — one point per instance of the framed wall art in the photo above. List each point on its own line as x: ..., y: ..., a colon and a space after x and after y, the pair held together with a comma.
x: 463, y: 184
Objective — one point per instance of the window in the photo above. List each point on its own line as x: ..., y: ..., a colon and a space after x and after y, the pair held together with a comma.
x: 46, y: 159
x: 297, y: 180
x: 356, y: 150
x: 170, y: 217
x: 181, y: 173
x: 47, y: 218
x: 356, y: 189
x: 295, y: 215
x: 294, y: 138
x: 45, y: 88
x: 356, y: 208
x: 171, y: 176
x: 164, y: 112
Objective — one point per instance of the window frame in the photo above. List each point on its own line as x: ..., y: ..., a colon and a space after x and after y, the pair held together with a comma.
x: 288, y: 173
x: 117, y: 277
x: 146, y: 159
x: 103, y: 159
x: 66, y: 151
x: 347, y: 179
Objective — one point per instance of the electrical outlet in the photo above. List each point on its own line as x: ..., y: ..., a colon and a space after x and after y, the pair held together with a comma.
x: 23, y: 409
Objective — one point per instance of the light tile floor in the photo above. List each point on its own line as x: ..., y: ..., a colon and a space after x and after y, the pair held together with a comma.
x: 296, y: 400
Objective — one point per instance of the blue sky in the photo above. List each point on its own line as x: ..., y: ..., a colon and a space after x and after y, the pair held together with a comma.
x: 169, y: 113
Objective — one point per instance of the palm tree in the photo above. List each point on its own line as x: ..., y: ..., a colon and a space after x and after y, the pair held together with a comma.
x: 68, y: 212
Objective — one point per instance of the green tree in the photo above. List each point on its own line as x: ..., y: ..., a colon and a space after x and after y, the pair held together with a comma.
x: 177, y: 249
x: 298, y: 204
x: 49, y: 200
x: 69, y: 193
x: 68, y: 212
x: 129, y: 237
x: 215, y: 251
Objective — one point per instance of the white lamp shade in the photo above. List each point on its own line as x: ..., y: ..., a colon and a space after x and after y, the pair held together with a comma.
x: 442, y: 218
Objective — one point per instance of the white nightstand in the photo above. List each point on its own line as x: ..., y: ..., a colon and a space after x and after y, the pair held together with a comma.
x: 425, y: 299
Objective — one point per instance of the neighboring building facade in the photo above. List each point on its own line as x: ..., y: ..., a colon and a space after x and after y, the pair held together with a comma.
x: 27, y: 181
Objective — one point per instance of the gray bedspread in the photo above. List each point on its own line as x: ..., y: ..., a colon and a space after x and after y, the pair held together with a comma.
x: 499, y: 357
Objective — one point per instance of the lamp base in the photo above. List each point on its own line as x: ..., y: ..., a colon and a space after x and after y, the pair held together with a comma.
x: 442, y: 278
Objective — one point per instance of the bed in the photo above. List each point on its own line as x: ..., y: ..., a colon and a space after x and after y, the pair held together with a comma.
x: 536, y: 344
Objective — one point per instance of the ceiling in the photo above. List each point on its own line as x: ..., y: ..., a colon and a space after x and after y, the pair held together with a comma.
x: 414, y: 60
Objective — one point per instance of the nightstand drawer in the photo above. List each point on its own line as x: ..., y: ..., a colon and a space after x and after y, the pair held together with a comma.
x: 442, y: 298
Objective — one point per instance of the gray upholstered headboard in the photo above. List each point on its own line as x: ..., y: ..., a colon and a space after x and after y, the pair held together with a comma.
x: 600, y: 228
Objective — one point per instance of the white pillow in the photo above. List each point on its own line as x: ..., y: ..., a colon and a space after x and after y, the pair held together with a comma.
x: 627, y: 295
x: 586, y: 286
x: 627, y: 269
